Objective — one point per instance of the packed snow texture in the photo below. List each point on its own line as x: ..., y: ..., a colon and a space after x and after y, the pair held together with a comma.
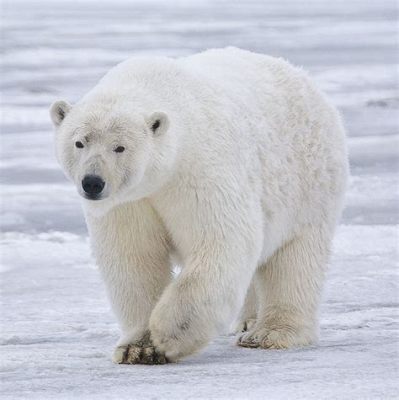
x: 57, y: 331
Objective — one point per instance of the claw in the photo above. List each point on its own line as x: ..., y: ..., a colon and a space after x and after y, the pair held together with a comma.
x: 133, y: 355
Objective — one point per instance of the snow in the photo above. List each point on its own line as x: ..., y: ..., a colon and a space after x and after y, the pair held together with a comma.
x: 57, y: 331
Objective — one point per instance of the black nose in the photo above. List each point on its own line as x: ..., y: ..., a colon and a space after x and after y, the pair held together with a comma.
x: 93, y: 185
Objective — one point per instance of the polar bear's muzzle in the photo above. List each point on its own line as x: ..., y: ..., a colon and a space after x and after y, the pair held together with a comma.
x: 93, y: 186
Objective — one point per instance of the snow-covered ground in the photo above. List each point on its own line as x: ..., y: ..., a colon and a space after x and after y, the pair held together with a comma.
x: 57, y: 331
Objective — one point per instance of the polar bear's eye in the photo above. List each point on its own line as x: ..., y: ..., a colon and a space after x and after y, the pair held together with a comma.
x: 119, y: 149
x: 79, y: 145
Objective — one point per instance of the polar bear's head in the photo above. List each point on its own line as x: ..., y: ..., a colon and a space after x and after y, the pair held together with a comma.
x: 110, y: 153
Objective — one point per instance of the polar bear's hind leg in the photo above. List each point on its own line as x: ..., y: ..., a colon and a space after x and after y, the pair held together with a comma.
x: 289, y: 287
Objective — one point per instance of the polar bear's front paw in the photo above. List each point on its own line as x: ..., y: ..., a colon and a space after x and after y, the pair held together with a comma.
x: 276, y: 338
x: 170, y: 339
x: 140, y: 352
x: 134, y: 354
x: 178, y: 331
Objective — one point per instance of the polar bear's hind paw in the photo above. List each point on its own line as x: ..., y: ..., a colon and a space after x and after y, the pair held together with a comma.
x: 276, y: 338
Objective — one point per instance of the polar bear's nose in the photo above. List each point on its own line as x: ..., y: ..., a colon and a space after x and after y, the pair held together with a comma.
x: 92, y: 185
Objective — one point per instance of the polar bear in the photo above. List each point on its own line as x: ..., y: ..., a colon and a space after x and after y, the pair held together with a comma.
x: 231, y: 163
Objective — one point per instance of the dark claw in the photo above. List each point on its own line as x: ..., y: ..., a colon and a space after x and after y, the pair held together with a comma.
x: 147, y: 356
x: 160, y: 359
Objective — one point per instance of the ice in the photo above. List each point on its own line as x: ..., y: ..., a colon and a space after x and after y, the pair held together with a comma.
x: 57, y: 331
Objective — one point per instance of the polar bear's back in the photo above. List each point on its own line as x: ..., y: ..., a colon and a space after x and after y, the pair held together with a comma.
x: 260, y: 87
x: 280, y: 98
x: 232, y: 63
x: 240, y: 72
x: 299, y: 137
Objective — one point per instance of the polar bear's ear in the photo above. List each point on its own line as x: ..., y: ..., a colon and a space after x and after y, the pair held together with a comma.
x: 158, y: 122
x: 58, y: 111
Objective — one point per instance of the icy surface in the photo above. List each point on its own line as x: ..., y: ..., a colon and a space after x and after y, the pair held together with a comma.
x: 57, y: 331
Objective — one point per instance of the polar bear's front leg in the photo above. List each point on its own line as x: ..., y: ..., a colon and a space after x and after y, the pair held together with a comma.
x: 202, y: 301
x: 131, y: 248
x: 211, y: 287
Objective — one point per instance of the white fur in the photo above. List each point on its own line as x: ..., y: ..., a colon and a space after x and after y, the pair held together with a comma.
x: 243, y: 180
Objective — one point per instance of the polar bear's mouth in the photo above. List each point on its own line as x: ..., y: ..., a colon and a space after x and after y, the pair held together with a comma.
x: 90, y: 197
